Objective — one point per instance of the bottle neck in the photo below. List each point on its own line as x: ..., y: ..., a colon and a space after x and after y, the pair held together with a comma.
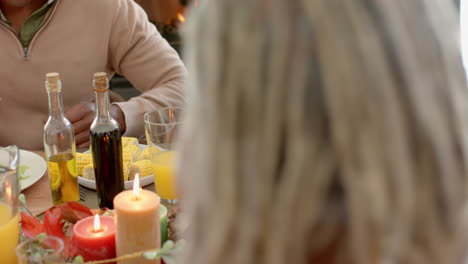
x: 55, y: 104
x: 102, y: 105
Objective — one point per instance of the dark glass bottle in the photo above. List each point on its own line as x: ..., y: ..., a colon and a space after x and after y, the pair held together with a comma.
x: 106, y: 146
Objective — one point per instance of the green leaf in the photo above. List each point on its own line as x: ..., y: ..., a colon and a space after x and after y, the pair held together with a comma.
x: 22, y: 172
x: 168, y: 245
x: 22, y: 199
x: 41, y: 237
x: 151, y: 255
x: 78, y: 260
x: 179, y: 247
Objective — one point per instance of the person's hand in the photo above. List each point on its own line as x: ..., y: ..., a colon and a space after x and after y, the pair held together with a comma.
x: 118, y: 116
x: 82, y: 116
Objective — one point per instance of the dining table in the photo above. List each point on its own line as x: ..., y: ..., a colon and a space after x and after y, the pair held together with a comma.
x: 39, y: 197
x: 39, y: 200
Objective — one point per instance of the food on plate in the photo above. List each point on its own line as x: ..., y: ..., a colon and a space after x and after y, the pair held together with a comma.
x: 88, y: 172
x: 125, y: 169
x: 82, y: 160
x: 145, y: 154
x: 130, y: 153
x: 134, y: 161
x: 128, y: 141
x: 142, y: 167
x: 22, y: 172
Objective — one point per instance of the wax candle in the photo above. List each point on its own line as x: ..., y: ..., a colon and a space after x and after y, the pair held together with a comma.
x: 9, y: 235
x: 95, y: 237
x: 137, y: 222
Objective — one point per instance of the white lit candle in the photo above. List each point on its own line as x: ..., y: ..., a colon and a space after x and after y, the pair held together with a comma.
x: 137, y: 220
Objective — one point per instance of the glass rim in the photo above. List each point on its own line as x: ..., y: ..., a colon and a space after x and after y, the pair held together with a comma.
x: 146, y: 119
x: 21, y: 245
x: 12, y: 150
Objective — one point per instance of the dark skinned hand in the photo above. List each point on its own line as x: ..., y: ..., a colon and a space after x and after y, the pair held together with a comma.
x: 82, y: 116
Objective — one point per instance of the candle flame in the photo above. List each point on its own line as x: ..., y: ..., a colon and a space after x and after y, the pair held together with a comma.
x: 136, y: 185
x: 181, y: 17
x: 97, y: 223
x: 8, y: 192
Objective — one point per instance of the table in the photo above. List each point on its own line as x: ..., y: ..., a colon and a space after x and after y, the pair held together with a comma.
x: 39, y: 196
x: 91, y: 196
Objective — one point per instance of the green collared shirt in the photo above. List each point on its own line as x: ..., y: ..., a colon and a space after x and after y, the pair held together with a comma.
x: 32, y: 24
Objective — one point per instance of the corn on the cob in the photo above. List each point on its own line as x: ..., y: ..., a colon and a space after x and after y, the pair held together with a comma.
x: 145, y: 154
x: 125, y: 171
x: 82, y: 159
x: 130, y: 153
x: 142, y: 167
x: 129, y: 141
x: 88, y: 172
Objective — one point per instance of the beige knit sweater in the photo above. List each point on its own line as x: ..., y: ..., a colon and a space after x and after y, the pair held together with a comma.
x: 79, y: 38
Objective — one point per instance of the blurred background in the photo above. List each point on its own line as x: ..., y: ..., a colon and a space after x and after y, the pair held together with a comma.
x: 167, y: 16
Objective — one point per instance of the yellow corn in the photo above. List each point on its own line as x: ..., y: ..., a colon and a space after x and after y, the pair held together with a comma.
x: 129, y: 141
x: 125, y: 171
x: 145, y: 154
x: 82, y: 159
x: 130, y: 153
x: 142, y: 167
x: 88, y: 172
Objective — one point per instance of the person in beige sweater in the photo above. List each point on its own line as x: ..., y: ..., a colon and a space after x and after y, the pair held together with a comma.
x: 77, y: 39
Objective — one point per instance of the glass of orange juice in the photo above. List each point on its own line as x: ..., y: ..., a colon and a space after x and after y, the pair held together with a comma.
x: 161, y: 129
x: 9, y: 190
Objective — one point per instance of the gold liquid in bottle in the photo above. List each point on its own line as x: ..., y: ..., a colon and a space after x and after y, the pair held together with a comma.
x: 63, y: 178
x: 59, y: 146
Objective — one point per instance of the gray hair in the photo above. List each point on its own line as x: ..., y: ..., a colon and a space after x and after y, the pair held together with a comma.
x: 325, y: 131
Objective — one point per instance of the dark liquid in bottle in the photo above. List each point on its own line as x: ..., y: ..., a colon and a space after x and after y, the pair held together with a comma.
x: 107, y: 158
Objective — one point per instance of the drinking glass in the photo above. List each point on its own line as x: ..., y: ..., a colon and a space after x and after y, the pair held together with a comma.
x: 41, y: 250
x: 9, y: 190
x: 161, y: 129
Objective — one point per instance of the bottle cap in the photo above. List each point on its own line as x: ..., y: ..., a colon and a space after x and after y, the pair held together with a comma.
x: 100, y: 82
x: 53, y: 83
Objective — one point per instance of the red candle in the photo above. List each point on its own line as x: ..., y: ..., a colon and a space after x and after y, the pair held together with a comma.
x: 95, y: 237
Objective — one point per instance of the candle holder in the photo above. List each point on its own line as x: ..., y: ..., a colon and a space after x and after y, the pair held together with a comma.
x: 41, y: 250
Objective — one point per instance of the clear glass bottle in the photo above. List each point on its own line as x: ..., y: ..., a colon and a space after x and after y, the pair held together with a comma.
x: 59, y: 145
x: 106, y: 146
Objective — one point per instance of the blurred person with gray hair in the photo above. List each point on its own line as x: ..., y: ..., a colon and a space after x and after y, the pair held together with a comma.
x: 326, y: 132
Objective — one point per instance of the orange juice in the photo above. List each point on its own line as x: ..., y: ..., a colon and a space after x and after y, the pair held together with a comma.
x: 9, y: 235
x: 163, y: 171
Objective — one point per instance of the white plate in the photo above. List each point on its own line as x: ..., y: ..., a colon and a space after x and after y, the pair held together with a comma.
x: 36, y: 168
x: 128, y: 184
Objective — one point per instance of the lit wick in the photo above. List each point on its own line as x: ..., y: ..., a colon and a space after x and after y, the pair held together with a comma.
x: 8, y: 191
x: 136, y: 187
x: 97, y: 224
